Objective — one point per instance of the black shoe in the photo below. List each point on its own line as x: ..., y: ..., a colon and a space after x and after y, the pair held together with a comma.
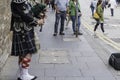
x: 61, y: 33
x: 19, y: 79
x: 74, y: 33
x: 34, y: 78
x: 79, y: 33
x: 55, y: 34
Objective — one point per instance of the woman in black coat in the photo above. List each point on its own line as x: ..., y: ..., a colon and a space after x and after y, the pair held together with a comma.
x: 23, y: 44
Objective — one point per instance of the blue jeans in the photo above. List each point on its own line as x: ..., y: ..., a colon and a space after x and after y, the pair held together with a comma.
x: 92, y: 9
x: 73, y: 18
x: 62, y: 16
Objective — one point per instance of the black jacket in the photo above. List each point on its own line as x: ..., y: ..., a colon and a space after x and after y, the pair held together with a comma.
x: 22, y: 13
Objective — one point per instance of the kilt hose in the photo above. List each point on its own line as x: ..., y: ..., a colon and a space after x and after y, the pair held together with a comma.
x: 23, y: 43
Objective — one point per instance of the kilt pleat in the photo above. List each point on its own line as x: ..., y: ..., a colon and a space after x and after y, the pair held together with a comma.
x: 23, y: 43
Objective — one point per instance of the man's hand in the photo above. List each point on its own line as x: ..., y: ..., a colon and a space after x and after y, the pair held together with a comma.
x: 57, y: 11
x: 67, y: 14
x: 40, y: 22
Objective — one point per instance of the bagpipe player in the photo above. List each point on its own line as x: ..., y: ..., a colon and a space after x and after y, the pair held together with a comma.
x: 23, y: 41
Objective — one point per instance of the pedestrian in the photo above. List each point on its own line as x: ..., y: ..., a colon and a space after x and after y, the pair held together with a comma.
x: 118, y: 2
x: 104, y: 3
x: 99, y: 11
x: 61, y: 6
x: 68, y: 17
x: 93, y: 6
x: 47, y: 2
x: 72, y: 8
x: 52, y: 4
x: 23, y: 41
x: 113, y: 4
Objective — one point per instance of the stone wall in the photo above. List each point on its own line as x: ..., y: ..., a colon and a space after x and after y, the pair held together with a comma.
x: 5, y: 35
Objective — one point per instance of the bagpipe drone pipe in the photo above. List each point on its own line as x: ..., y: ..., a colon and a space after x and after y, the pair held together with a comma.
x: 39, y: 11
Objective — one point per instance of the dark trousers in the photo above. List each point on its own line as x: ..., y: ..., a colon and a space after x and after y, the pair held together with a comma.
x: 92, y: 9
x: 73, y: 18
x: 62, y: 16
x: 112, y: 12
x: 97, y: 24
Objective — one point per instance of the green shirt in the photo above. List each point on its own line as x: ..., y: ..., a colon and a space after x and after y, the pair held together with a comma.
x: 72, y: 8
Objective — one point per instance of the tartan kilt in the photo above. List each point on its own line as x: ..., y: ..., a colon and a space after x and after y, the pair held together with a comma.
x: 22, y: 46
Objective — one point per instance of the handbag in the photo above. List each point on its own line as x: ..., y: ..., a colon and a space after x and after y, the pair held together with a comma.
x: 79, y: 13
x: 114, y: 61
x: 37, y: 42
x: 96, y: 16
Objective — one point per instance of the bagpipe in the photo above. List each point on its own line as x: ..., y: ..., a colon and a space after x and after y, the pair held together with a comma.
x: 39, y: 11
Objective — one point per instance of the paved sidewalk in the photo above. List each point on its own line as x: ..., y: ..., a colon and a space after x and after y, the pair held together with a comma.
x: 65, y: 57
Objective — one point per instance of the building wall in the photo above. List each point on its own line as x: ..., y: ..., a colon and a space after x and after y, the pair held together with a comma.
x: 5, y: 35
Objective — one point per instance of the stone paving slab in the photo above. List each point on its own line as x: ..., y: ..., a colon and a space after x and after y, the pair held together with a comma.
x: 46, y: 78
x: 70, y: 39
x: 55, y: 56
x: 96, y: 65
x: 9, y: 72
x: 8, y: 77
x: 96, y: 73
x: 105, y: 78
x: 74, y: 78
x: 63, y: 72
x: 53, y: 60
x: 54, y: 53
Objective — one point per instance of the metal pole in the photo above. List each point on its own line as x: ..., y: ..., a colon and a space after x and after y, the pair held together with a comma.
x: 76, y: 27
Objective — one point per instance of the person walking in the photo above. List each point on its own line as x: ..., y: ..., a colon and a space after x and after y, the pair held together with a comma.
x: 72, y: 9
x: 23, y: 41
x: 99, y: 11
x: 61, y: 6
x: 113, y: 4
x: 93, y: 6
x: 52, y: 4
x: 118, y: 2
